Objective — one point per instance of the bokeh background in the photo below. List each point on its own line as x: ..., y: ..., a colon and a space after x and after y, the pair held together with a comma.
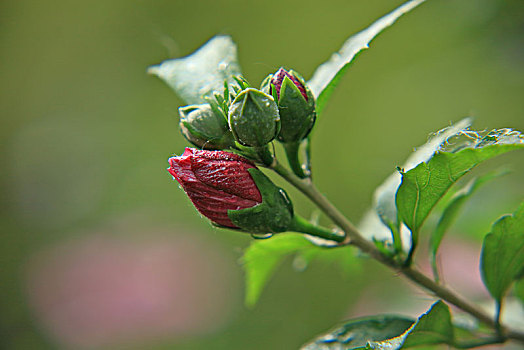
x: 101, y: 250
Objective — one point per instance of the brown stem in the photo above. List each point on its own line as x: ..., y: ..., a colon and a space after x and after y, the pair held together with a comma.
x: 354, y: 237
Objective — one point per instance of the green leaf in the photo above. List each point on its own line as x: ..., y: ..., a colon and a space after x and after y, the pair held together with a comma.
x: 396, y: 332
x: 434, y: 327
x: 202, y: 73
x: 329, y: 73
x: 423, y: 186
x: 502, y: 258
x: 357, y: 333
x: 384, y: 211
x: 274, y: 214
x: 262, y: 258
x: 451, y: 212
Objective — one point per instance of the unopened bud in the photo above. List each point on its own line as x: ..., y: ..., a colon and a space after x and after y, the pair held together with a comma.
x: 205, y: 127
x: 254, y: 118
x: 296, y: 104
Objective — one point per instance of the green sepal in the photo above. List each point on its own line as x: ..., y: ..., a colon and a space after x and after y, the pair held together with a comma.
x: 265, y: 86
x: 310, y: 97
x: 292, y: 152
x: 205, y: 126
x: 253, y: 118
x: 297, y: 115
x: 273, y: 215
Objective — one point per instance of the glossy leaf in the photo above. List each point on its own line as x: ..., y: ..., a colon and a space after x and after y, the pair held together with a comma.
x: 502, y: 259
x: 434, y: 327
x: 202, y: 73
x: 451, y: 212
x: 384, y: 211
x: 329, y: 73
x: 423, y: 186
x: 356, y: 334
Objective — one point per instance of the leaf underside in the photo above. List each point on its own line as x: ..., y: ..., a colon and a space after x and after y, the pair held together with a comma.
x: 199, y: 75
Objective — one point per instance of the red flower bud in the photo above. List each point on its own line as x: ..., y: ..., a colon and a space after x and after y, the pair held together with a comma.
x: 216, y: 181
x: 278, y: 78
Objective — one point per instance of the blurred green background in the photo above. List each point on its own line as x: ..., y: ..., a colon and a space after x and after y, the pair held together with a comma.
x: 100, y: 248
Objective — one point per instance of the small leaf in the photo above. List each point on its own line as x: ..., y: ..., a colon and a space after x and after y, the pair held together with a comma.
x: 502, y: 259
x: 357, y: 333
x: 329, y: 73
x: 202, y: 73
x: 423, y: 186
x: 263, y: 256
x: 451, y: 212
x: 434, y: 327
x: 384, y: 212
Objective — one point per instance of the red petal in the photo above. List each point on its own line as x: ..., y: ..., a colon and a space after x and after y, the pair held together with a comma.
x: 226, y: 172
x: 215, y: 182
x: 278, y: 78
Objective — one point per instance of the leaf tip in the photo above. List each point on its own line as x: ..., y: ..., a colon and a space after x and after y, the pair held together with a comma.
x: 153, y: 70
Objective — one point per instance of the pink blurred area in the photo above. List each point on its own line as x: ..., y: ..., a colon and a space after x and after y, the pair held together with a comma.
x: 104, y: 290
x: 459, y: 262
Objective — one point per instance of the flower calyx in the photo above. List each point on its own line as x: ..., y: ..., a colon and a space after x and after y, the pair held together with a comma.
x: 254, y: 118
x: 205, y: 126
x: 296, y: 104
x: 230, y: 191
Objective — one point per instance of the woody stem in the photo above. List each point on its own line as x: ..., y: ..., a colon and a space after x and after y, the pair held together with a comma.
x: 354, y: 237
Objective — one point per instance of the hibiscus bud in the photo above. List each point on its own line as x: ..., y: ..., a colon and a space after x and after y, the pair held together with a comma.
x: 230, y: 191
x: 205, y: 127
x: 254, y: 118
x: 296, y: 104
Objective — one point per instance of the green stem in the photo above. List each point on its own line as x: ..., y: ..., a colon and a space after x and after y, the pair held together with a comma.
x: 434, y: 267
x: 292, y: 150
x: 354, y: 237
x: 265, y: 155
x: 351, y: 232
x: 307, y: 151
x: 498, y: 312
x: 300, y: 224
x: 414, y: 243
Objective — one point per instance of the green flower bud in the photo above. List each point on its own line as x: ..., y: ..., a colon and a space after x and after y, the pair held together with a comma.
x: 254, y: 118
x: 205, y: 126
x: 296, y: 104
x: 273, y: 215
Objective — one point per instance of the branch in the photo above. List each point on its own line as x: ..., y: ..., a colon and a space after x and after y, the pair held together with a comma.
x: 354, y: 237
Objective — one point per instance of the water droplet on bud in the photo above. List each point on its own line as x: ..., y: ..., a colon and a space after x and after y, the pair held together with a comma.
x: 261, y: 235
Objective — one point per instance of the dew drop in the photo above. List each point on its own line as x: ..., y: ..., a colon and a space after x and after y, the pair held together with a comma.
x: 300, y: 263
x: 261, y: 235
x: 222, y: 66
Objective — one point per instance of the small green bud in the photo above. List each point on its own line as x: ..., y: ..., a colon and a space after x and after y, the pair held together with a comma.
x: 254, y: 118
x: 205, y: 126
x: 296, y: 104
